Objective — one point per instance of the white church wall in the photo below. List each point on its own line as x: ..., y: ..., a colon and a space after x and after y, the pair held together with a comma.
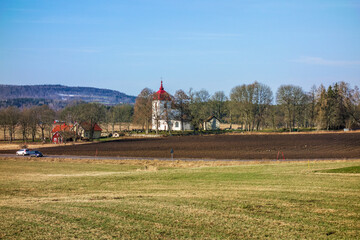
x: 163, y: 116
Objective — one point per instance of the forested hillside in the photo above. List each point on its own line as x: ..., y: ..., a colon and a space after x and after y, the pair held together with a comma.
x: 14, y: 93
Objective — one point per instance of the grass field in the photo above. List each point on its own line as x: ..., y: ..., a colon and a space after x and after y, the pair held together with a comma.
x: 141, y: 200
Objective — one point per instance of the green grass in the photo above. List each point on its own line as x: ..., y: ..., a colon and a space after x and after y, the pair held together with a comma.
x: 352, y: 169
x: 49, y: 200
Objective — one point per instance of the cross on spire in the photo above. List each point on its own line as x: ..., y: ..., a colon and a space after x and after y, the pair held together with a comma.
x: 161, y: 86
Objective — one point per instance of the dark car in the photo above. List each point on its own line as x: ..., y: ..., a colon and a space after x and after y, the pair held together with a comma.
x: 35, y: 154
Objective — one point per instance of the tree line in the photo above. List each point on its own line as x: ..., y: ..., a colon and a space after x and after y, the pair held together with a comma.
x: 28, y: 121
x: 253, y: 107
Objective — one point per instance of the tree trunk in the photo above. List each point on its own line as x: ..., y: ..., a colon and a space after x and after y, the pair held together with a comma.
x: 230, y: 121
x: 33, y: 133
x: 42, y: 134
x: 11, y: 136
x: 147, y: 127
x: 157, y: 126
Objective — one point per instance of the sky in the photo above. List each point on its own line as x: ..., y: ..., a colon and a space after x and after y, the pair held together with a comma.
x: 127, y: 45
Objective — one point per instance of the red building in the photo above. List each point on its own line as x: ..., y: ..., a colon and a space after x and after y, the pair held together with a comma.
x: 62, y: 133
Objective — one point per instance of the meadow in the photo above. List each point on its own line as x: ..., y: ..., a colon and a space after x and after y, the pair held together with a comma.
x: 52, y: 199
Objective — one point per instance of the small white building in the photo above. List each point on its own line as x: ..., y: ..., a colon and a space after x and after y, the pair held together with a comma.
x: 163, y: 116
x: 212, y: 123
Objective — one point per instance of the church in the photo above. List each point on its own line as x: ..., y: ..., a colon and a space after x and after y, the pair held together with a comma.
x: 164, y: 117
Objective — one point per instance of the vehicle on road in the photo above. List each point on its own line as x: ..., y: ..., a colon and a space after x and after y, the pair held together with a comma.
x: 35, y: 154
x: 23, y: 152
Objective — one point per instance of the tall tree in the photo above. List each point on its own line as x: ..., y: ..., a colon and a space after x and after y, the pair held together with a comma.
x: 71, y: 114
x: 199, y: 107
x: 12, y: 119
x: 321, y: 108
x: 250, y: 103
x: 242, y: 107
x: 45, y: 116
x: 218, y: 105
x: 181, y: 104
x: 92, y: 114
x: 3, y: 122
x: 351, y: 98
x: 124, y: 114
x: 263, y: 97
x: 311, y: 106
x: 292, y: 99
x: 143, y: 108
x: 111, y: 118
x: 332, y: 111
x: 24, y: 122
x: 33, y: 127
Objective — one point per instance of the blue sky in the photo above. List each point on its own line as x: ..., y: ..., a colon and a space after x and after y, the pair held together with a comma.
x: 127, y: 45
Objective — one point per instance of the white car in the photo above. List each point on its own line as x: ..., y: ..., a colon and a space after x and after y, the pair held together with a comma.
x: 22, y: 152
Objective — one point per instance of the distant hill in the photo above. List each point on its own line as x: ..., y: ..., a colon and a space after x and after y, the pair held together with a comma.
x: 45, y: 94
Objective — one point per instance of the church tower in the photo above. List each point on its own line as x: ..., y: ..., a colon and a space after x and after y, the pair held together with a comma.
x: 161, y: 110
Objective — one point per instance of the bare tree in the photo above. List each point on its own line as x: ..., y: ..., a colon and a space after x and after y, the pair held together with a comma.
x: 3, y: 122
x: 91, y: 114
x: 311, y: 109
x: 352, y: 104
x: 123, y: 114
x: 199, y: 107
x: 291, y: 99
x: 321, y: 108
x: 143, y: 108
x: 181, y: 104
x: 126, y: 114
x: 71, y: 114
x: 263, y: 97
x: 12, y: 115
x: 111, y: 117
x: 45, y: 116
x: 241, y: 107
x: 218, y: 104
x: 250, y: 103
x: 24, y: 123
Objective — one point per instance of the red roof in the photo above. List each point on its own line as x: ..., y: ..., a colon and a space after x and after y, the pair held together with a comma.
x: 87, y: 127
x: 162, y: 94
x: 61, y: 127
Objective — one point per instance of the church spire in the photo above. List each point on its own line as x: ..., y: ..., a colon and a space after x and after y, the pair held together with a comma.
x: 162, y: 94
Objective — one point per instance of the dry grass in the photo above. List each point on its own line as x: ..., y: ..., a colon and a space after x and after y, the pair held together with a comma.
x: 130, y: 199
x: 144, y: 163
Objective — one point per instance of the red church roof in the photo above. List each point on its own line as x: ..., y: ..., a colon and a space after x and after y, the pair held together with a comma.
x: 162, y: 94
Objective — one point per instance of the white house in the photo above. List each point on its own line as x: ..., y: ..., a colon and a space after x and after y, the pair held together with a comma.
x: 163, y: 116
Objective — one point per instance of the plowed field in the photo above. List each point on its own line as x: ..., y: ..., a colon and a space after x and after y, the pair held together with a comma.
x: 242, y: 146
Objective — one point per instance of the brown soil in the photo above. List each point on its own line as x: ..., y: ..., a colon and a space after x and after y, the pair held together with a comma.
x: 242, y: 146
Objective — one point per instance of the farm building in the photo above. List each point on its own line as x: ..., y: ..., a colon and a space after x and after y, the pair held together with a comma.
x: 212, y: 123
x: 163, y: 116
x: 62, y: 133
x: 84, y: 130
